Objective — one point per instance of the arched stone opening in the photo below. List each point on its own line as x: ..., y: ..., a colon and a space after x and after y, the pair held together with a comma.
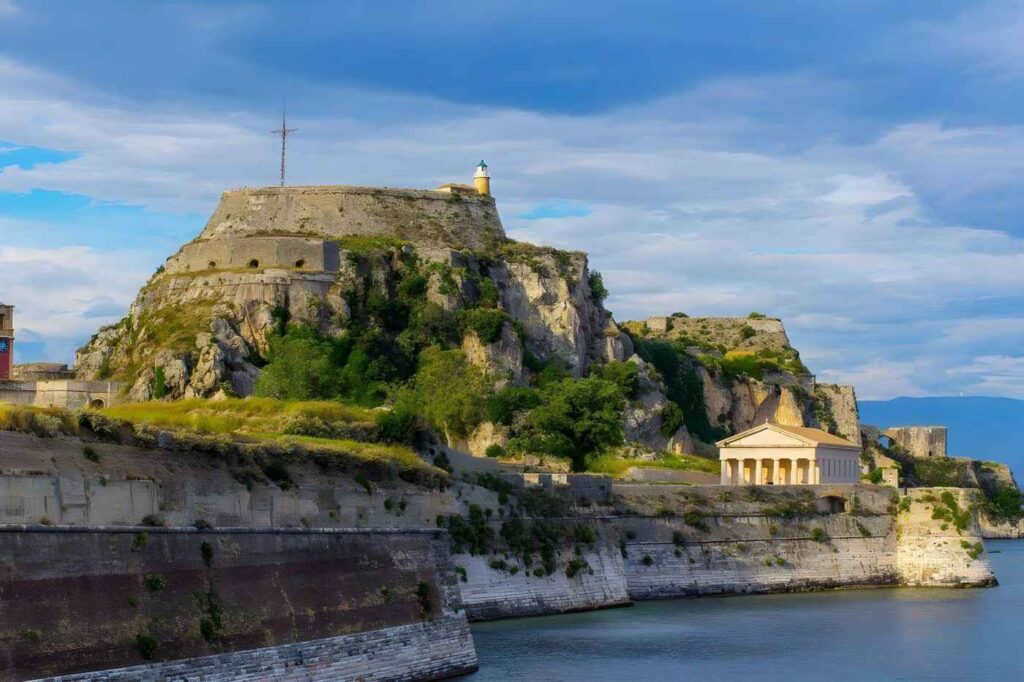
x: 833, y: 504
x: 254, y: 263
x: 96, y: 403
x: 212, y: 265
x: 300, y: 263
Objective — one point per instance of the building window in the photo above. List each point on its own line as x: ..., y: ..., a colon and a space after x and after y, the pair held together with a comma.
x: 254, y: 263
x: 212, y: 264
x: 300, y: 263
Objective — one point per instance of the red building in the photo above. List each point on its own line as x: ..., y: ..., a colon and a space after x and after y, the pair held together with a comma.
x: 6, y: 340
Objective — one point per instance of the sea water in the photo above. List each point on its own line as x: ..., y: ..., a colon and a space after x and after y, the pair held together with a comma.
x: 870, y: 634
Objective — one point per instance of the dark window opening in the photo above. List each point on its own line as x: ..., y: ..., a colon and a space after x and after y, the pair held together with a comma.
x: 300, y: 263
x: 212, y: 264
x: 254, y: 263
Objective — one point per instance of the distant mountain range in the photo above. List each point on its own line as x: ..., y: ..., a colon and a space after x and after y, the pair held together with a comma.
x: 982, y: 428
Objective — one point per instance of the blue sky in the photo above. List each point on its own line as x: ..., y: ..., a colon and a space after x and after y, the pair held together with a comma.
x: 854, y: 167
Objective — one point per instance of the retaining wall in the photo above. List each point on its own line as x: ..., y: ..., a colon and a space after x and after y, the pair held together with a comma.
x: 77, y: 599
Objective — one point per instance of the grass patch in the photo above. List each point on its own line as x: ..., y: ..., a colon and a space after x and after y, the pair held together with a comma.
x: 238, y: 415
x: 617, y: 467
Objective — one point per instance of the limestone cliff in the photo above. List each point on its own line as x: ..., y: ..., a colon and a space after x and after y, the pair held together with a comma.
x: 321, y: 256
x: 747, y: 373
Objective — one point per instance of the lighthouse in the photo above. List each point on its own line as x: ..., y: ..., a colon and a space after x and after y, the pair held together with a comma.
x: 482, y: 179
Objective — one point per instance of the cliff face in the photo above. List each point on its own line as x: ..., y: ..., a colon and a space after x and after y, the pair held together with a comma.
x: 200, y: 326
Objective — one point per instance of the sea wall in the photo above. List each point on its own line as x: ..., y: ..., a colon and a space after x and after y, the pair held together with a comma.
x: 229, y: 604
x: 489, y: 594
x: 697, y: 540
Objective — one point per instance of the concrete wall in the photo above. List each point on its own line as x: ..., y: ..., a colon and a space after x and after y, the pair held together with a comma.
x: 78, y: 600
x: 269, y: 252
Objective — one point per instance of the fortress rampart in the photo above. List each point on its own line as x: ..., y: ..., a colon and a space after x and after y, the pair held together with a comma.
x: 281, y: 604
x: 456, y: 220
x: 300, y: 253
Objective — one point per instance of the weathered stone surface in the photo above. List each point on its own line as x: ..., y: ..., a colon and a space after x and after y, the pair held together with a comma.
x: 502, y: 360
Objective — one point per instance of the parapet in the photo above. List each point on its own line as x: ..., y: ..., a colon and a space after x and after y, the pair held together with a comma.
x: 423, y: 217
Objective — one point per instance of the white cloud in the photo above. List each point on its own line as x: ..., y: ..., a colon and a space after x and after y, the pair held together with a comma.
x: 8, y: 9
x: 55, y: 289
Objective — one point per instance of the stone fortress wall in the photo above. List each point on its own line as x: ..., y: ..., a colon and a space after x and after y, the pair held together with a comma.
x: 919, y: 441
x: 277, y: 603
x: 300, y: 253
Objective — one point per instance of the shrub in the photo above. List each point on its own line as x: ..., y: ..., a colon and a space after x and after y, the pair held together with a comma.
x: 598, y: 291
x: 90, y: 453
x: 486, y: 323
x: 155, y: 582
x: 159, y: 383
x: 397, y: 425
x: 461, y: 572
x: 360, y: 478
x: 671, y: 419
x: 746, y: 332
x: 146, y: 645
x: 818, y: 534
x: 647, y: 560
x: 695, y: 520
x: 574, y: 566
x: 140, y: 542
x: 678, y: 538
x: 625, y: 375
x: 423, y: 597
x: 32, y: 635
x: 206, y: 550
x: 495, y: 450
x: 757, y: 316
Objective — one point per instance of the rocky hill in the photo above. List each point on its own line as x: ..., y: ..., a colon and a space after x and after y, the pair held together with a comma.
x: 372, y: 295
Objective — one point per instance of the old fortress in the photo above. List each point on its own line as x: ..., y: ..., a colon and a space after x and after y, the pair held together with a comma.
x: 158, y: 520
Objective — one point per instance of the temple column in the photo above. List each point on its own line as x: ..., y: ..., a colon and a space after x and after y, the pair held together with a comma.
x: 723, y: 478
x: 776, y: 472
x: 757, y: 471
x: 814, y: 472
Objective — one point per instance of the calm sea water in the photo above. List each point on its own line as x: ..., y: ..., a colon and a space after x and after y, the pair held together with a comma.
x: 878, y: 634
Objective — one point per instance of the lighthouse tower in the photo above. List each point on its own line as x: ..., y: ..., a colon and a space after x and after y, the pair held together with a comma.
x: 482, y: 179
x: 6, y: 340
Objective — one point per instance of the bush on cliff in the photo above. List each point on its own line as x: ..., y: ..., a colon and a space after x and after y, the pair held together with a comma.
x: 302, y: 366
x: 1004, y: 504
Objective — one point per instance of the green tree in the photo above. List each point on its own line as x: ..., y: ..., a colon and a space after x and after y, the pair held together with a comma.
x: 576, y: 419
x: 503, y: 406
x: 449, y: 392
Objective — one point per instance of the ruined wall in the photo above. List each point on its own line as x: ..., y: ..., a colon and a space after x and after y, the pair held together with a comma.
x: 919, y: 441
x: 934, y: 552
x: 93, y: 599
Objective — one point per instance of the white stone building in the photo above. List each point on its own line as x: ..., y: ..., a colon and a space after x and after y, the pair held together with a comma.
x: 772, y: 454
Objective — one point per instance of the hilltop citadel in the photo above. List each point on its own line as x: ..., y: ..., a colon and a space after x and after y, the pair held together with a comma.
x: 416, y: 464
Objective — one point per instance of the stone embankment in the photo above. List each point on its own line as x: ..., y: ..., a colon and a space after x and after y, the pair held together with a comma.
x: 230, y: 604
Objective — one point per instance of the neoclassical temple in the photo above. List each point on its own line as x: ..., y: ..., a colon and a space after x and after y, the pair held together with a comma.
x: 772, y: 454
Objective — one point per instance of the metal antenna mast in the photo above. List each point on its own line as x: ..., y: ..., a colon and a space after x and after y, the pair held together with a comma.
x: 283, y: 132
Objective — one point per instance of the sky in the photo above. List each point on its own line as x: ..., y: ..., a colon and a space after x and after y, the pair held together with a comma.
x: 854, y: 167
